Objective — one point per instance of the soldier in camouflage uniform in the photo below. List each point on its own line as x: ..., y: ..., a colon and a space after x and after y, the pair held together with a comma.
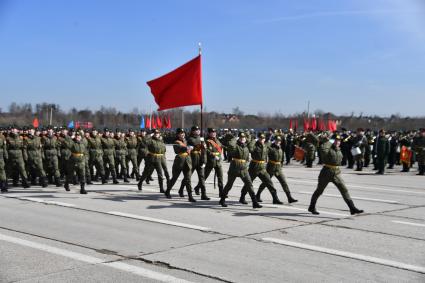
x: 51, y: 152
x: 121, y: 154
x: 132, y: 143
x: 197, y: 155
x: 257, y: 167
x: 15, y: 148
x: 96, y: 155
x: 33, y: 148
x: 108, y: 146
x: 65, y: 153
x: 310, y: 144
x: 274, y: 169
x: 240, y: 156
x: 85, y: 140
x: 77, y: 161
x: 142, y: 151
x: 330, y: 172
x: 3, y: 157
x: 419, y: 148
x: 182, y: 163
x: 156, y: 152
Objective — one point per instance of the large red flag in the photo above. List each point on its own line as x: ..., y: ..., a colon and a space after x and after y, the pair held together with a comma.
x: 169, y: 122
x: 306, y: 125
x: 290, y: 123
x: 153, y: 122
x: 180, y: 87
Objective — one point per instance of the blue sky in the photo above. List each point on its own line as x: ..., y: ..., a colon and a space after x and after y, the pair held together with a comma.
x: 262, y: 56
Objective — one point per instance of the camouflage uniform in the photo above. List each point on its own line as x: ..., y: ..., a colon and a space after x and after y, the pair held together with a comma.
x: 51, y: 163
x: 15, y: 148
x: 33, y: 147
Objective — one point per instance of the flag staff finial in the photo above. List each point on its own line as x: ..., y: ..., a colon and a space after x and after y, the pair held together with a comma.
x: 199, y: 48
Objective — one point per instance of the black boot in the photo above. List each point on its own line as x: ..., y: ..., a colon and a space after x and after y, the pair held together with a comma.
x: 222, y: 201
x: 189, y: 193
x: 276, y: 199
x: 25, y: 183
x: 204, y: 194
x: 220, y: 191
x: 114, y: 180
x: 43, y: 182
x: 161, y: 186
x: 312, y: 207
x: 57, y: 182
x: 255, y: 204
x: 139, y: 185
x: 82, y: 189
x: 242, y: 199
x: 353, y: 209
x: 290, y: 198
x: 104, y: 181
x: 126, y: 179
x: 3, y: 187
x: 66, y: 186
x: 196, y: 188
x: 258, y: 196
x: 181, y: 190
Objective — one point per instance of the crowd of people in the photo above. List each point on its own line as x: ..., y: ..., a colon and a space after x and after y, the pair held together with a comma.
x: 65, y: 157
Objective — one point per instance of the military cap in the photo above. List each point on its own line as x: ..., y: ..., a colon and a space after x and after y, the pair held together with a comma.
x: 179, y: 131
x: 194, y: 128
x: 242, y: 135
x: 261, y: 136
x: 156, y: 131
x: 211, y: 130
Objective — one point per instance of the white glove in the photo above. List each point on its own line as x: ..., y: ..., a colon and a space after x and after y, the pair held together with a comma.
x: 217, y: 158
x: 203, y: 166
x: 202, y: 139
x: 189, y: 147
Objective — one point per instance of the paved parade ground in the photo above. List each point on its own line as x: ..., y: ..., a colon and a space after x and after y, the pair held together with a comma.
x: 117, y: 234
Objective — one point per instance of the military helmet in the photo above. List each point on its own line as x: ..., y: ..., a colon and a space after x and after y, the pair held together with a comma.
x: 179, y: 131
x: 194, y: 128
x: 211, y: 130
x: 261, y: 136
x: 241, y: 135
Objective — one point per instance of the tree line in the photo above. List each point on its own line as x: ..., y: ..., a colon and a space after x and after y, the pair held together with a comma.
x: 50, y: 113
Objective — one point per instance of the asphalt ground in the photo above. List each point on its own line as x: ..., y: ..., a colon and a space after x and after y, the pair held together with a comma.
x: 117, y: 234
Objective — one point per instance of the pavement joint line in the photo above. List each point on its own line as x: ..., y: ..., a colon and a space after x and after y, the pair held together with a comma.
x: 93, y: 260
x: 408, y: 223
x: 157, y: 220
x: 40, y: 200
x: 359, y: 198
x: 371, y: 259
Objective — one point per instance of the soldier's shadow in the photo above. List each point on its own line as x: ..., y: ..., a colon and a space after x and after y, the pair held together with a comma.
x: 129, y: 198
x: 279, y: 214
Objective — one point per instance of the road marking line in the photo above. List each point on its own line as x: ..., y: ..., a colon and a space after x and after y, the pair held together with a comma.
x: 93, y: 260
x: 162, y: 221
x: 360, y: 187
x: 359, y: 198
x: 372, y: 259
x: 39, y: 200
x: 408, y: 223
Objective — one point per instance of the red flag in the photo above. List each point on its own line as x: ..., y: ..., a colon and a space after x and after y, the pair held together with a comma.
x: 296, y: 125
x: 322, y: 125
x: 306, y: 125
x: 169, y: 122
x: 290, y: 123
x: 158, y: 122
x: 35, y: 123
x: 180, y: 87
x: 313, y: 124
x: 148, y: 122
x: 153, y: 122
x: 164, y: 122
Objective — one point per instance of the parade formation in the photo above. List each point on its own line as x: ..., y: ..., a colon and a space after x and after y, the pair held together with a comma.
x: 63, y: 157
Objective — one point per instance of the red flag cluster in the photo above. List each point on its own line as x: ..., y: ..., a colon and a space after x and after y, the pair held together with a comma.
x: 158, y: 122
x: 314, y: 124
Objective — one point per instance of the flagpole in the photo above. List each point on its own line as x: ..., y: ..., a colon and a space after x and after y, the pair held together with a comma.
x: 202, y: 104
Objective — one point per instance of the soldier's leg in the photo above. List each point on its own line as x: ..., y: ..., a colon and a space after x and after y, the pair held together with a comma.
x: 135, y: 169
x: 124, y: 168
x: 158, y: 168
x: 230, y: 180
x: 325, y: 177
x: 219, y: 172
x: 176, y: 173
x: 100, y: 168
x: 87, y: 170
x: 22, y: 172
x: 3, y: 178
x: 55, y: 169
x: 246, y: 179
x: 80, y: 170
x: 252, y: 174
x: 183, y: 184
x: 147, y: 171
x: 282, y: 180
x: 265, y: 179
x: 187, y: 173
x: 112, y: 169
x: 339, y: 183
x: 40, y: 172
x: 165, y: 168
